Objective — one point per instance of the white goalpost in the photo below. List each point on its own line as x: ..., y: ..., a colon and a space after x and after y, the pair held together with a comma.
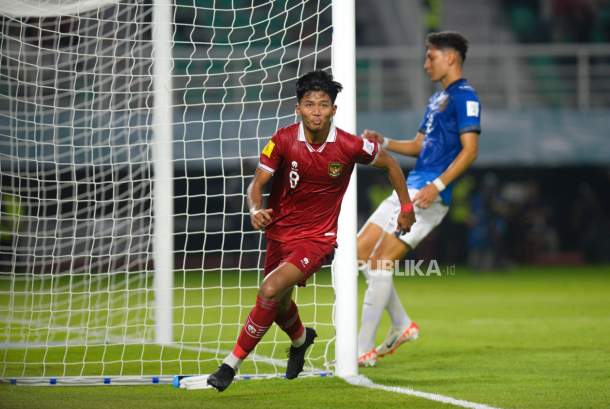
x: 163, y: 246
x: 129, y: 131
x: 345, y: 268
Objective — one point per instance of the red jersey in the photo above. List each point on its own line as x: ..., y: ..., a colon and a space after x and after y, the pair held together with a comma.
x: 310, y: 180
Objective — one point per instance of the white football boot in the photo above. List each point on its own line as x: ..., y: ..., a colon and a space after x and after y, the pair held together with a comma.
x: 396, y: 337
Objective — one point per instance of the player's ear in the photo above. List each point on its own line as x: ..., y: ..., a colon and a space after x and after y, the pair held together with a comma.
x: 334, y: 110
x: 297, y: 109
x: 453, y: 57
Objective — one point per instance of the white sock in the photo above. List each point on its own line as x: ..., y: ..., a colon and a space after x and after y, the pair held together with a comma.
x: 399, y: 316
x: 299, y: 341
x: 233, y: 361
x: 376, y: 299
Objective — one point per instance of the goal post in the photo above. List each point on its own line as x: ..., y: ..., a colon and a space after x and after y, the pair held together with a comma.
x: 163, y: 197
x: 345, y: 268
x: 129, y: 131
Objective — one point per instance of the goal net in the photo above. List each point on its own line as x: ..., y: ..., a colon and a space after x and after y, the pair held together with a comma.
x: 78, y: 91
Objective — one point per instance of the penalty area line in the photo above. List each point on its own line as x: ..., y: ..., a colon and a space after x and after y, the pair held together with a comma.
x: 361, y: 380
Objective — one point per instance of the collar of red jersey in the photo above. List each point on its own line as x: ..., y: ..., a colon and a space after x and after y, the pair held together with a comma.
x: 332, y: 133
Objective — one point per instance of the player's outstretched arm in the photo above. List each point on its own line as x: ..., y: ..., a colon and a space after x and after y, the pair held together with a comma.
x: 259, y: 217
x: 407, y: 148
x: 406, y: 218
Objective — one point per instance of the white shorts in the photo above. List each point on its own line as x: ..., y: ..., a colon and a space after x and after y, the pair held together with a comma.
x: 425, y: 219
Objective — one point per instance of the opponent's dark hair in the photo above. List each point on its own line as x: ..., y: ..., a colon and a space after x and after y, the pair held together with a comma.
x: 449, y: 39
x: 318, y: 81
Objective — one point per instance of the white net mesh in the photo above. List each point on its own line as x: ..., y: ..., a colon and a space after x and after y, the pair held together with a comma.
x: 76, y: 100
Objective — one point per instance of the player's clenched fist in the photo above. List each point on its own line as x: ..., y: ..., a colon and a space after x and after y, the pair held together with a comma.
x: 260, y: 218
x: 405, y: 221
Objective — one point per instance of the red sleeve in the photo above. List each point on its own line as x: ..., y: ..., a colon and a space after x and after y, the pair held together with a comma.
x: 271, y: 157
x: 365, y: 151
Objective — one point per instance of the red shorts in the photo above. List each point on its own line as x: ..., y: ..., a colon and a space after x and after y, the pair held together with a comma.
x: 306, y: 254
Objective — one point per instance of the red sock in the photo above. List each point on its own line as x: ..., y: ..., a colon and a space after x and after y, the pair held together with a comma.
x: 290, y: 321
x: 258, y: 322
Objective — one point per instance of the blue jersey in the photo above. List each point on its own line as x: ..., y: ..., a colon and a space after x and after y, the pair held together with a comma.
x: 450, y: 113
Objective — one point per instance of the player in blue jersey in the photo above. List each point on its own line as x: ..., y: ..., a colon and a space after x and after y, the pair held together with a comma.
x: 445, y: 146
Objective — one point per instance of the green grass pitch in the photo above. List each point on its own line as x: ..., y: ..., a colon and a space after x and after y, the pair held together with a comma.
x: 525, y: 338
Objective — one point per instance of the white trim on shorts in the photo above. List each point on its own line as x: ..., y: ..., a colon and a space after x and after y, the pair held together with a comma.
x: 425, y: 219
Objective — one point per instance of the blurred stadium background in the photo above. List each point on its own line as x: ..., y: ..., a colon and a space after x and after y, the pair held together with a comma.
x: 537, y: 191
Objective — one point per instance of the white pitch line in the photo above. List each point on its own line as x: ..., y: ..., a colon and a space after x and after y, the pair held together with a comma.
x: 361, y: 380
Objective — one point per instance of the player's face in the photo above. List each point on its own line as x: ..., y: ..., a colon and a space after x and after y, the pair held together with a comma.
x: 317, y: 110
x: 437, y: 63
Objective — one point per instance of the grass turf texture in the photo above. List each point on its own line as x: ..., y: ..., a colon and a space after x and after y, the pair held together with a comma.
x: 527, y: 338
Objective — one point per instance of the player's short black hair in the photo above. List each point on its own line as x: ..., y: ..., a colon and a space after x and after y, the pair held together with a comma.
x: 449, y: 39
x: 318, y: 81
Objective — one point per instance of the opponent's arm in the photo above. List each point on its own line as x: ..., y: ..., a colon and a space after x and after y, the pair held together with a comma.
x: 407, y: 148
x: 406, y: 218
x: 468, y: 154
x: 259, y: 217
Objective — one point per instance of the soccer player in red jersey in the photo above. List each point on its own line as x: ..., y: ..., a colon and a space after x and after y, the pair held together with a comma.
x: 310, y: 163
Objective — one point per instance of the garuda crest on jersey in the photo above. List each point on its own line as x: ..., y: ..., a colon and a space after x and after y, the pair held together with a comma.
x: 335, y: 169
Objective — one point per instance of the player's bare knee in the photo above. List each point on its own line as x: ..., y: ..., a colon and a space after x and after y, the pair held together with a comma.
x: 367, y: 240
x: 269, y: 291
x: 392, y: 248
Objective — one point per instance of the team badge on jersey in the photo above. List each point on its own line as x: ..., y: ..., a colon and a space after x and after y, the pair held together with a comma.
x: 268, y: 149
x: 335, y: 169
